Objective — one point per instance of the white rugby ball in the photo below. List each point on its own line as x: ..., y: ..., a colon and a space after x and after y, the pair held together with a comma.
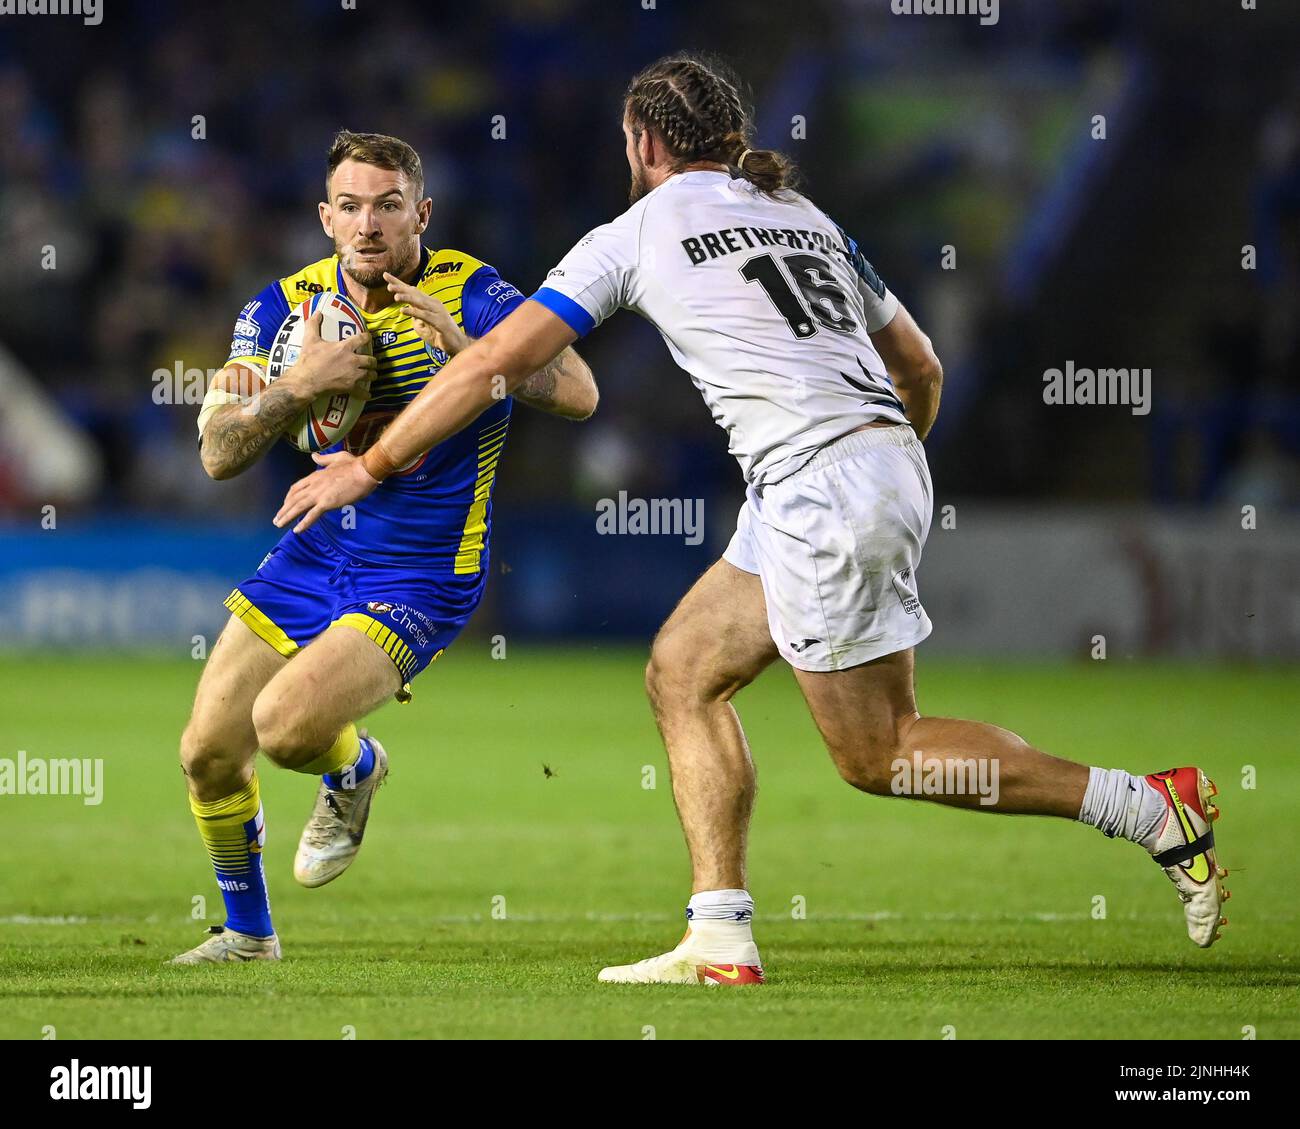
x: 332, y: 415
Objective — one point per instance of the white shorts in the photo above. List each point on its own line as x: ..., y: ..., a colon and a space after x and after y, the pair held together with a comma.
x: 836, y: 546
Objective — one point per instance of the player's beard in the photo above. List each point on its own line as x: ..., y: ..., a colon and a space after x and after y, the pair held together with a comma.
x: 639, y: 187
x: 372, y: 276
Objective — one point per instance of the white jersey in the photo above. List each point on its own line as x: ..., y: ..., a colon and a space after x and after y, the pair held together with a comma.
x: 764, y: 301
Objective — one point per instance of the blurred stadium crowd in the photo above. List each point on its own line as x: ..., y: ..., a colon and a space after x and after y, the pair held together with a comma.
x: 915, y: 133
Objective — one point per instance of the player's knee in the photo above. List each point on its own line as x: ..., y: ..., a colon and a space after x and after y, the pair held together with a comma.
x: 658, y: 681
x: 284, y: 733
x: 675, y: 678
x: 866, y: 774
x: 869, y: 760
x: 205, y: 756
x: 685, y: 672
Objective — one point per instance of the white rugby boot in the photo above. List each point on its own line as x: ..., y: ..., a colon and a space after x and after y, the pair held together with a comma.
x: 333, y: 834
x: 696, y: 960
x: 225, y: 946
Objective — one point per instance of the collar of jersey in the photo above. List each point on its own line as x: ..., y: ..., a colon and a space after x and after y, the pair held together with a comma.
x: 425, y: 255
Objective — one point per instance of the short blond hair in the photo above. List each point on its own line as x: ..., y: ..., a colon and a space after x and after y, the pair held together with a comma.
x: 376, y: 149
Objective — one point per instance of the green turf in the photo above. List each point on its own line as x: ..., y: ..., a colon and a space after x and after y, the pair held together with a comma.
x: 917, y: 917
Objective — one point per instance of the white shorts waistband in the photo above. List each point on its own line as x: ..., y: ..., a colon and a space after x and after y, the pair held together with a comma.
x: 856, y: 442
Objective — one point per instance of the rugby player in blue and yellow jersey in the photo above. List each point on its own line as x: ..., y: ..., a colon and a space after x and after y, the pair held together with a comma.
x: 337, y: 620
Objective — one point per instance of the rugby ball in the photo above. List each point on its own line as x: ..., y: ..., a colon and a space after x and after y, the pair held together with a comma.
x: 332, y: 415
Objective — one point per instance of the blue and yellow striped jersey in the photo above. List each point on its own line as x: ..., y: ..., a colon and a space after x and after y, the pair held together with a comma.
x: 438, y: 511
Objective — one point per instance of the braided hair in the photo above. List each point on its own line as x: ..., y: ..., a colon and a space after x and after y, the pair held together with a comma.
x: 696, y: 107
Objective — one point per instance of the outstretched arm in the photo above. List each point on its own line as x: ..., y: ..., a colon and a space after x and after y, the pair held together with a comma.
x: 489, y: 370
x: 564, y: 387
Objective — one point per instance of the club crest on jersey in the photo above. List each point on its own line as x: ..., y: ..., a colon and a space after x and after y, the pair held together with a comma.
x: 377, y: 607
x: 438, y: 356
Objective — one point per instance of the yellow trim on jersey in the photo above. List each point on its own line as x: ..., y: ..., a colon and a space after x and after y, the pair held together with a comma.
x: 445, y: 273
x: 243, y: 608
x: 444, y: 276
x: 470, y: 554
x: 312, y: 279
x: 392, y: 644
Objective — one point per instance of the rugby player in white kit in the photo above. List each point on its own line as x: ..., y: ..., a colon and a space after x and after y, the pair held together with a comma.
x: 826, y: 388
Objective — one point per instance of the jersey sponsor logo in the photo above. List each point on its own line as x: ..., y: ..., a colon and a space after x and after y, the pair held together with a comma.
x: 386, y: 337
x: 309, y: 287
x: 406, y: 618
x: 502, y: 291
x: 444, y: 268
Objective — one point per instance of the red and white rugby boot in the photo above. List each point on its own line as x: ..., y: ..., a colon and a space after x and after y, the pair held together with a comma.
x: 1184, y: 846
x: 698, y: 959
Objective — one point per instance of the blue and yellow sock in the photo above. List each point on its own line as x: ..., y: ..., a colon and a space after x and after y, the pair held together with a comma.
x: 345, y: 763
x: 363, y: 767
x: 234, y: 831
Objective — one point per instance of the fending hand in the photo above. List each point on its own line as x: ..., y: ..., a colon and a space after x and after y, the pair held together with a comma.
x: 343, y: 480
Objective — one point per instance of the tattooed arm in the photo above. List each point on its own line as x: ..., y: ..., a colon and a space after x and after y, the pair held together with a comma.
x: 564, y: 387
x: 236, y: 434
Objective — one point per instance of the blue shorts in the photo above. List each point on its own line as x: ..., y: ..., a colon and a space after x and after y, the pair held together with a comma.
x: 306, y: 584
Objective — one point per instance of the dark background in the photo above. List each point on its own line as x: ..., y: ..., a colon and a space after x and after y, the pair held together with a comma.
x: 921, y: 132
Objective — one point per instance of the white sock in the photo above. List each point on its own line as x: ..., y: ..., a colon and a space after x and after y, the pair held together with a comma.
x: 1120, y: 804
x: 720, y: 920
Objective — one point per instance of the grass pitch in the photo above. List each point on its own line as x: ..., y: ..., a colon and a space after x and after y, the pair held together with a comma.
x: 916, y: 918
